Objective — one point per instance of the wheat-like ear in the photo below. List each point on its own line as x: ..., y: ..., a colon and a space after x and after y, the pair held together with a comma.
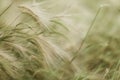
x: 9, y: 65
x: 37, y: 13
x: 54, y: 56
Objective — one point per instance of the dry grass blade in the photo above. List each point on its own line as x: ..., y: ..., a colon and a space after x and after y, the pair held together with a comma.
x: 9, y: 65
x: 54, y: 56
x: 7, y: 8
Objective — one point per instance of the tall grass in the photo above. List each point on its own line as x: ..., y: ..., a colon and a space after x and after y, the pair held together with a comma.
x: 55, y: 42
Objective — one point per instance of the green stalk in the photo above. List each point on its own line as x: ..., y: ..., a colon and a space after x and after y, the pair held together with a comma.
x: 91, y: 26
x: 7, y: 8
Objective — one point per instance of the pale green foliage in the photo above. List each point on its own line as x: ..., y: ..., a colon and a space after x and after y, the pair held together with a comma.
x: 27, y: 51
x: 47, y: 40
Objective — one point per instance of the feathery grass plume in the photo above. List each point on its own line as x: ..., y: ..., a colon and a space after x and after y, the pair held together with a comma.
x: 9, y: 66
x: 17, y: 42
x: 33, y: 11
x: 53, y: 55
x: 26, y: 53
x: 37, y: 13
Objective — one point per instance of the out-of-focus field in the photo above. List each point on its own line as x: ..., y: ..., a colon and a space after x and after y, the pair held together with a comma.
x: 59, y: 40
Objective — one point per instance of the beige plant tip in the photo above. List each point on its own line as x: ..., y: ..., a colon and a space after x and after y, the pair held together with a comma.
x: 37, y: 13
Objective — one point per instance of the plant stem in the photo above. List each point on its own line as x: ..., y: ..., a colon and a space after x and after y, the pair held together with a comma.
x: 7, y: 8
x: 92, y: 24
